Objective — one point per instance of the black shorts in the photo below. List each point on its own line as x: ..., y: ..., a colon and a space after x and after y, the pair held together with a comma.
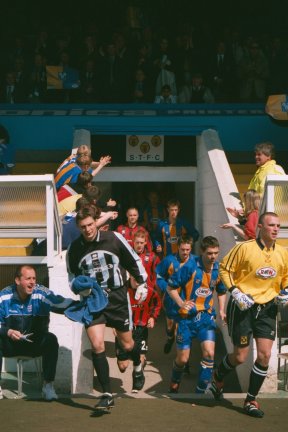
x: 118, y: 313
x: 140, y: 336
x: 259, y: 321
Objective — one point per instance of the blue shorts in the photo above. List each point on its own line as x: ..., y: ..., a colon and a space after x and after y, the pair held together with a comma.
x: 202, y: 326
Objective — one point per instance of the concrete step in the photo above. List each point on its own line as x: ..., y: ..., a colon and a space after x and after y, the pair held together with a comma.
x: 15, y: 247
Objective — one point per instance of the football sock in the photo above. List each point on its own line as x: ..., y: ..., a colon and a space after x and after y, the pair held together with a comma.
x: 224, y: 368
x: 205, y: 375
x: 257, y: 376
x: 177, y: 372
x: 101, y: 367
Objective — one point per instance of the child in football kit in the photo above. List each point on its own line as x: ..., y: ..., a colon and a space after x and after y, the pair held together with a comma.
x: 145, y: 315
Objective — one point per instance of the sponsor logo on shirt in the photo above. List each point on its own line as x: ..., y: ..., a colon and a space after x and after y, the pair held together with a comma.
x: 266, y: 272
x: 203, y: 292
x: 173, y: 240
x: 103, y: 268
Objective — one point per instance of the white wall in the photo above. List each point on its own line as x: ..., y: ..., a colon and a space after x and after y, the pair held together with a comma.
x: 216, y: 190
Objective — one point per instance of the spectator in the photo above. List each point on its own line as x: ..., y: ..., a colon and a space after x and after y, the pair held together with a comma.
x: 141, y: 92
x: 220, y: 73
x: 10, y: 92
x: 253, y: 73
x: 163, y: 66
x: 84, y: 181
x: 196, y: 92
x: 89, y: 82
x: 38, y: 80
x: 251, y: 206
x: 166, y: 96
x: 266, y: 164
x: 70, y: 171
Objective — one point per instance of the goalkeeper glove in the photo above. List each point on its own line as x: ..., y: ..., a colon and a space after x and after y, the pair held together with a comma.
x: 282, y: 297
x: 243, y: 301
x: 141, y: 292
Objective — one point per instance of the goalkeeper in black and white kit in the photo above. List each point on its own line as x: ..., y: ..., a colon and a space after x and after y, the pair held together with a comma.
x: 104, y: 258
x: 256, y: 274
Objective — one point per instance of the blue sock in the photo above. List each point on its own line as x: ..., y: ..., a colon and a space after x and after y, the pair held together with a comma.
x: 205, y: 375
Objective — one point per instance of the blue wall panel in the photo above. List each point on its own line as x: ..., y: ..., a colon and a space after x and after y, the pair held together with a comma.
x: 37, y: 127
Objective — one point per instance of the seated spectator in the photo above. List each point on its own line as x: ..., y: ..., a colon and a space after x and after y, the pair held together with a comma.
x: 113, y: 76
x: 221, y: 73
x: 25, y: 308
x: 143, y: 60
x: 166, y: 96
x: 10, y: 91
x: 253, y: 74
x: 141, y: 92
x: 38, y: 80
x: 164, y: 67
x: 196, y: 92
x: 251, y: 208
x: 89, y: 83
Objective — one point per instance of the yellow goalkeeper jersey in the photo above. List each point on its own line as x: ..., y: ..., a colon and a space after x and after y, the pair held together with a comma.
x: 256, y: 270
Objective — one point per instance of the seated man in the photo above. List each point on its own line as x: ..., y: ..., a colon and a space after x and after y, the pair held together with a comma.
x: 24, y: 324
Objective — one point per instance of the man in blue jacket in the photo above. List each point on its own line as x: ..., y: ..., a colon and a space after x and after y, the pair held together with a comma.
x: 24, y: 324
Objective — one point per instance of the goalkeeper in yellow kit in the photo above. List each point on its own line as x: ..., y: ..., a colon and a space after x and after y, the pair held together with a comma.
x: 256, y: 274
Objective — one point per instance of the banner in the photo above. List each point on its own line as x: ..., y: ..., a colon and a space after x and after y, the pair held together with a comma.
x: 144, y: 148
x: 61, y: 78
x: 277, y: 107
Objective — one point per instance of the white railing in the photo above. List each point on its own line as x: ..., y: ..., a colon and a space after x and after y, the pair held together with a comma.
x: 275, y: 199
x: 29, y: 209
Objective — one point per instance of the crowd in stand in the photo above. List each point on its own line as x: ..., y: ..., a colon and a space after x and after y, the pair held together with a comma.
x: 142, y: 60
